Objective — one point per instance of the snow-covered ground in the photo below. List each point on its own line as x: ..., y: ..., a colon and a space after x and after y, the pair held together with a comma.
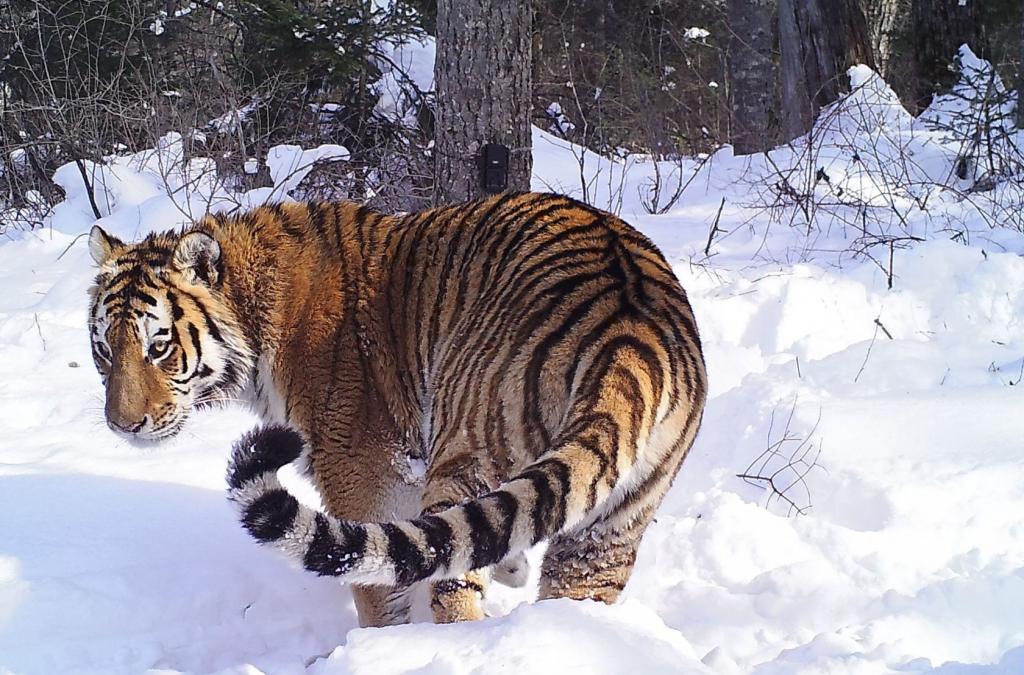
x: 902, y: 408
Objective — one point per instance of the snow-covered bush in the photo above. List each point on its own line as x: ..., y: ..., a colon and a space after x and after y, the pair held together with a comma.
x: 872, y: 170
x: 978, y: 115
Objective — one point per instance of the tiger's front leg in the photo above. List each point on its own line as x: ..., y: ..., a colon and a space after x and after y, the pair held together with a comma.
x: 380, y: 606
x: 377, y: 492
x: 453, y: 600
x: 458, y: 599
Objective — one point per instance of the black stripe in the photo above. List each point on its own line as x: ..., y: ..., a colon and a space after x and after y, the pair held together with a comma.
x: 629, y: 385
x: 593, y: 447
x: 547, y: 267
x: 176, y: 311
x: 558, y: 471
x: 184, y: 355
x: 540, y: 356
x: 210, y: 324
x: 604, y: 423
x: 143, y: 296
x: 271, y: 516
x: 133, y: 272
x: 598, y: 368
x: 508, y: 508
x: 546, y: 507
x: 438, y: 534
x: 542, y: 504
x: 407, y: 558
x: 327, y: 556
x: 193, y: 333
x: 229, y: 379
x: 481, y: 534
x: 315, y: 212
x: 448, y: 586
x: 336, y: 210
x: 261, y: 451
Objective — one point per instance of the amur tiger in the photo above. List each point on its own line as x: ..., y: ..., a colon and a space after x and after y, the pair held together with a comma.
x: 459, y: 384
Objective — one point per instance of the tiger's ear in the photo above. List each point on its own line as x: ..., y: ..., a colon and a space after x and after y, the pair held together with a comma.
x: 197, y: 257
x: 102, y: 245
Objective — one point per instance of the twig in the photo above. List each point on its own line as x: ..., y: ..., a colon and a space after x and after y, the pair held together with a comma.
x: 73, y: 242
x: 874, y: 336
x: 39, y: 330
x: 714, y: 228
x: 88, y: 188
x: 882, y: 326
x: 1011, y: 382
x: 796, y: 463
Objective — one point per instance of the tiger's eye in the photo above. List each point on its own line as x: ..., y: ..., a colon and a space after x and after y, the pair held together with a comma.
x: 158, y: 348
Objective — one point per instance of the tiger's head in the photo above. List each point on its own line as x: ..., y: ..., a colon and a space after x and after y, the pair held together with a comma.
x: 164, y: 336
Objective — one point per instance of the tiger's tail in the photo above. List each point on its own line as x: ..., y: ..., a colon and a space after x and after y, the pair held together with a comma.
x: 599, y: 445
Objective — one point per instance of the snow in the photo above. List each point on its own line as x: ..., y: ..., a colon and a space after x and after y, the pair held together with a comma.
x: 532, y: 638
x: 289, y: 164
x: 560, y: 124
x: 903, y: 402
x: 696, y: 33
x: 407, y: 69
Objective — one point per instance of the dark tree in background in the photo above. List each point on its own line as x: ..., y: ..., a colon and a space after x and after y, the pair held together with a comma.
x: 482, y: 77
x: 884, y: 20
x: 751, y: 75
x: 1020, y: 69
x: 938, y: 28
x: 819, y: 40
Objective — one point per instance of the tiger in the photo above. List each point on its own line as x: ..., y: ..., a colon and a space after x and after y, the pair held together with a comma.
x: 459, y: 384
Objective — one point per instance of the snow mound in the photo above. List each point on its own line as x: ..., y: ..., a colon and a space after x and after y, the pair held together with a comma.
x: 552, y: 636
x: 163, y: 187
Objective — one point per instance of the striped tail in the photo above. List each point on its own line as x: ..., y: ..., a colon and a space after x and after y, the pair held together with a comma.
x: 550, y: 495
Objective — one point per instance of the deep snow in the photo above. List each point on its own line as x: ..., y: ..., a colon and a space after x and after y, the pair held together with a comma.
x: 120, y: 559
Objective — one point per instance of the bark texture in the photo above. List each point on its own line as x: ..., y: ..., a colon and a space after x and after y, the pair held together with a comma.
x: 884, y: 21
x: 751, y: 75
x: 938, y: 28
x: 1020, y: 70
x: 819, y: 40
x: 483, y: 80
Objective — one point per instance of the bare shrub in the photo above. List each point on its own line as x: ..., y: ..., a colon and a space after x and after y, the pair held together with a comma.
x: 783, y: 467
x: 87, y: 81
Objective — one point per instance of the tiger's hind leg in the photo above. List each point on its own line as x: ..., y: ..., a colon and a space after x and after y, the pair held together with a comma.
x: 379, y: 606
x: 595, y: 562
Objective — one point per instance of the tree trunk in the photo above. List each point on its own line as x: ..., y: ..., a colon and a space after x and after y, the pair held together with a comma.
x: 1020, y: 70
x: 883, y: 19
x: 751, y: 75
x: 938, y: 28
x: 820, y: 40
x: 483, y: 81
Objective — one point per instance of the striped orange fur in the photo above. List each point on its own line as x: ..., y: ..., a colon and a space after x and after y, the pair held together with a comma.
x: 535, y: 356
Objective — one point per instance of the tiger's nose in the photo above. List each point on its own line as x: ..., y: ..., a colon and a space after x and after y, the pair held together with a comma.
x: 126, y: 426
